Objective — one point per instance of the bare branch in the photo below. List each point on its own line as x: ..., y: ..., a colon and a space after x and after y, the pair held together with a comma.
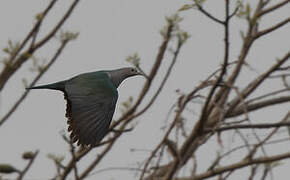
x: 205, y: 111
x: 238, y: 165
x: 40, y: 74
x: 11, y: 69
x: 200, y: 8
x: 162, y: 83
x: 251, y: 126
x: 273, y: 8
x: 151, y: 76
x: 255, y: 83
x: 24, y: 171
x: 79, y: 154
x: 273, y: 28
x: 58, y: 25
x: 257, y: 106
x: 34, y: 30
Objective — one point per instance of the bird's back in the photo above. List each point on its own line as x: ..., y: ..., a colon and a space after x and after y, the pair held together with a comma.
x: 91, y: 83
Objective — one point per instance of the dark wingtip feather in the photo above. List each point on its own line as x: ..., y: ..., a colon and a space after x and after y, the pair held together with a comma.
x: 71, y: 129
x: 75, y: 139
x: 68, y: 115
x: 87, y: 133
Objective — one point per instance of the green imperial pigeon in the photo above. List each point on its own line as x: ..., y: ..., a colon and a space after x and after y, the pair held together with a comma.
x: 91, y: 100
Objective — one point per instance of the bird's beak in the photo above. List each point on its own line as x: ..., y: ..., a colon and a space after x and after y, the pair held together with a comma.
x: 141, y: 73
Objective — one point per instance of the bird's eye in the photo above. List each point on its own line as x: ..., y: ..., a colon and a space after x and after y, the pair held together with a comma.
x: 132, y: 70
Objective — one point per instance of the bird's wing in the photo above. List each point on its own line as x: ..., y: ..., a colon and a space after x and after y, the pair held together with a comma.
x: 90, y: 108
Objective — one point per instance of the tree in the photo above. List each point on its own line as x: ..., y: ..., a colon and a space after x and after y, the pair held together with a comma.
x: 226, y: 106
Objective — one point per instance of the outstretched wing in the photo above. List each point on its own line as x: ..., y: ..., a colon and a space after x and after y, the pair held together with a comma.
x: 90, y: 107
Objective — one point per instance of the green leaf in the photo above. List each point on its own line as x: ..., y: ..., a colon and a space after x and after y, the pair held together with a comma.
x: 55, y: 158
x: 7, y: 169
x: 199, y: 2
x: 186, y: 7
x: 28, y: 155
x: 248, y: 8
x: 276, y: 164
x: 6, y: 50
x: 182, y: 36
x: 244, y: 11
x: 11, y: 48
x: 126, y: 105
x: 67, y: 36
x: 174, y: 19
x: 134, y: 59
x: 39, y: 16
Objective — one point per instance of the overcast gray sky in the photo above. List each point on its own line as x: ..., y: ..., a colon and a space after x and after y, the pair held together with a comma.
x: 111, y: 30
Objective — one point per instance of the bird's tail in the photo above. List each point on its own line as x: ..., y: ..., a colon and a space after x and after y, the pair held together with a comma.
x: 55, y: 86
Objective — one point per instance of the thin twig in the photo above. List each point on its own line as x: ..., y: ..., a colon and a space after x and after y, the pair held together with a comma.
x: 41, y: 73
x: 238, y: 165
x: 273, y: 28
x: 273, y: 8
x: 251, y: 126
x: 24, y: 171
x: 257, y: 106
x: 200, y: 8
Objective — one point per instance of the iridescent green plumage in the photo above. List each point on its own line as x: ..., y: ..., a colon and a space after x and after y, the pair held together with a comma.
x: 91, y: 100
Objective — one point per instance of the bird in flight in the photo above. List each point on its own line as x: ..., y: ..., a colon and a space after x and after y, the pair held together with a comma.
x: 91, y: 101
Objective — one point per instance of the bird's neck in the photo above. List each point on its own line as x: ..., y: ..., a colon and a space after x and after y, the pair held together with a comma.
x: 116, y: 77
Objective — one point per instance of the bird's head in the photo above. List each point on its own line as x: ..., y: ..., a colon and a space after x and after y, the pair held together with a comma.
x: 118, y: 75
x: 130, y: 71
